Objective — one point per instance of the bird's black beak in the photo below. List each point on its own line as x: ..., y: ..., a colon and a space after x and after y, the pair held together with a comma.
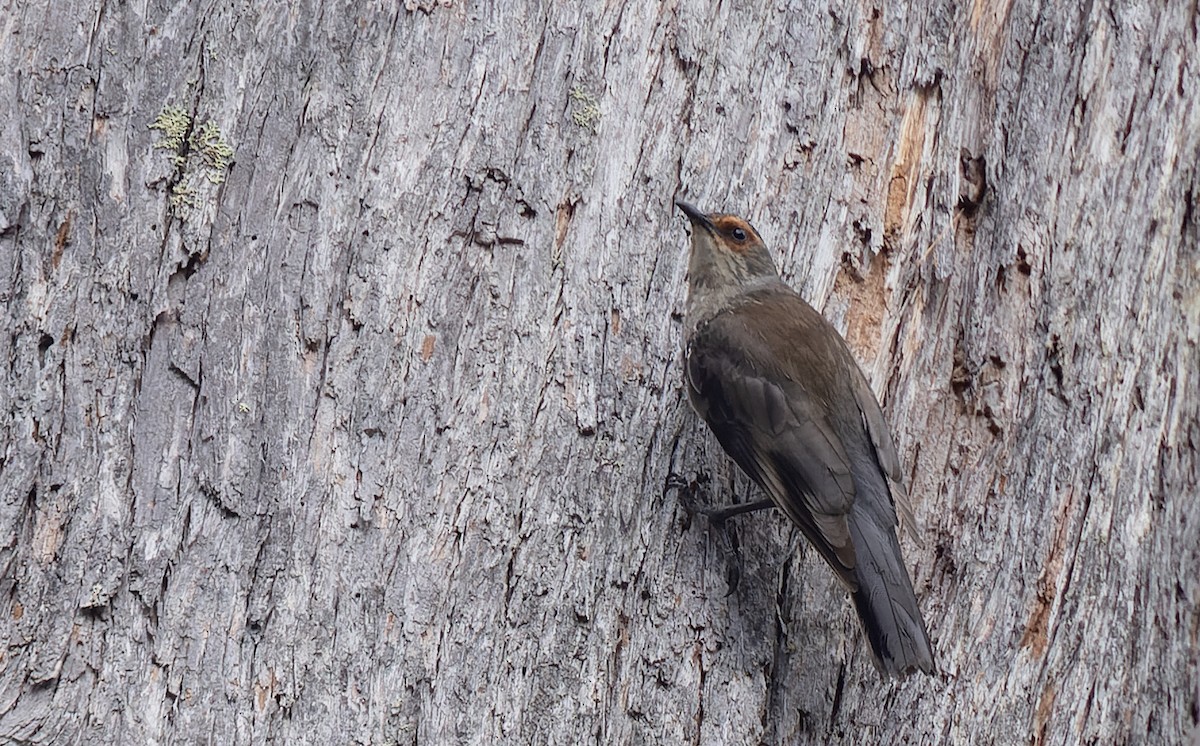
x: 694, y: 215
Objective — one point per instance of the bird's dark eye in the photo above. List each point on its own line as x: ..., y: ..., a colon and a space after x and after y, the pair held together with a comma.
x: 738, y: 234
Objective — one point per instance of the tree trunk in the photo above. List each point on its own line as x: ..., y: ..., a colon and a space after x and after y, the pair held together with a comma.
x: 343, y: 368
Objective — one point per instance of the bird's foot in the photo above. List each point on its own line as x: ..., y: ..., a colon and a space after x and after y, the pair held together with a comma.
x: 717, y: 518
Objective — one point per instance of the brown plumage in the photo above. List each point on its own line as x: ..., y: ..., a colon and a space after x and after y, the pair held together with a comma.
x: 779, y: 388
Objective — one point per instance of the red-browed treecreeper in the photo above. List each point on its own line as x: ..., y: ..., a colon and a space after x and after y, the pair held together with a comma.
x: 780, y: 389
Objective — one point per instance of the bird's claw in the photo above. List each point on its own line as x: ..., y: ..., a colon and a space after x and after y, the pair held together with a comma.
x: 677, y: 483
x: 733, y: 558
x: 687, y: 493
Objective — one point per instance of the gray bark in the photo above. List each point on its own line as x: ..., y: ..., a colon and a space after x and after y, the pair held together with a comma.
x: 361, y: 437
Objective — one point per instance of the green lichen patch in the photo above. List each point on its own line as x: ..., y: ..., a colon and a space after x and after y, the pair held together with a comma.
x: 174, y: 123
x: 183, y: 197
x: 587, y: 109
x: 214, y: 151
x: 197, y: 151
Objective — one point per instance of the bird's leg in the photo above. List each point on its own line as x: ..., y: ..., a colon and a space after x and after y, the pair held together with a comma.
x: 725, y: 512
x: 718, y: 514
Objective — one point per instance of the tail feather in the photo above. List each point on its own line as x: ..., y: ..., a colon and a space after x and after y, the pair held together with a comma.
x: 885, y: 600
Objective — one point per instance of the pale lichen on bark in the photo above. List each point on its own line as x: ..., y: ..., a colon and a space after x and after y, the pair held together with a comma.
x: 188, y: 141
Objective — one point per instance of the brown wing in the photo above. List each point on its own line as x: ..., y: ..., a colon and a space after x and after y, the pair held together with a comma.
x: 776, y: 429
x: 885, y: 451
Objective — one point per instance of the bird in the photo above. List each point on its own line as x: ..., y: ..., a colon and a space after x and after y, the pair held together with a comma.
x: 781, y: 391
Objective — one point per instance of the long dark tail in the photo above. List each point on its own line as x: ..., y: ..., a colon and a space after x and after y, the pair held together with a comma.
x: 885, y: 600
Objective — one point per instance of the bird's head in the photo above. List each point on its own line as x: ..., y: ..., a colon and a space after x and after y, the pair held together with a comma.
x: 726, y: 251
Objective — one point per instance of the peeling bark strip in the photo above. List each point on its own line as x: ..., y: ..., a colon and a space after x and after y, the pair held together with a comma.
x: 368, y: 446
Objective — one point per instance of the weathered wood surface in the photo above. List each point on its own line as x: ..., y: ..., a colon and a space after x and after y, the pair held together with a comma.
x: 367, y: 443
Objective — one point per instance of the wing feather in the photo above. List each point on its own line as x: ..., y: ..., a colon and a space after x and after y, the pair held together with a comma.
x: 772, y: 430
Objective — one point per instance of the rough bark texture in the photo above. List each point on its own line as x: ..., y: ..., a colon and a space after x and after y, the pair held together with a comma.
x: 361, y: 436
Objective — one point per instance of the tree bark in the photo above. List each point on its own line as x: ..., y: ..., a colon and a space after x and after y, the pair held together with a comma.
x: 343, y: 372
